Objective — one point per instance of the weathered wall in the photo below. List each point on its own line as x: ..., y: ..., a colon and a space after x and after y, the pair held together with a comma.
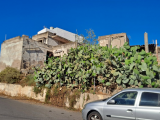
x: 47, y: 37
x: 18, y: 90
x: 38, y: 36
x: 27, y: 91
x: 117, y: 40
x: 11, y: 53
x: 83, y: 99
x: 52, y: 42
x: 34, y: 52
x: 63, y: 48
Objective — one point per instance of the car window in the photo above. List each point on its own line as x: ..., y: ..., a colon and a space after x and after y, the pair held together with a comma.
x: 149, y: 99
x: 125, y: 98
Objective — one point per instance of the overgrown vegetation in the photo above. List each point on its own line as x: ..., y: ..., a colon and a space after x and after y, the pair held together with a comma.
x: 124, y: 66
x: 58, y: 95
x: 48, y: 95
x: 37, y: 90
x: 28, y: 80
x: 10, y: 75
x: 88, y: 98
x: 73, y: 98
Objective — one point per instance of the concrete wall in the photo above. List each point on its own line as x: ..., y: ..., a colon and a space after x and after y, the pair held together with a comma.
x: 47, y: 37
x: 83, y: 99
x: 11, y: 53
x: 63, y: 48
x: 43, y: 35
x: 117, y: 40
x: 53, y: 42
x: 27, y: 91
x: 34, y: 53
x: 18, y: 90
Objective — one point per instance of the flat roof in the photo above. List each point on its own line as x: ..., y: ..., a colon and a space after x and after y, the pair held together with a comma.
x: 112, y: 35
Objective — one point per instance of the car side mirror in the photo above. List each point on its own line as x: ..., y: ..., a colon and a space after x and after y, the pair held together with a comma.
x: 111, y: 102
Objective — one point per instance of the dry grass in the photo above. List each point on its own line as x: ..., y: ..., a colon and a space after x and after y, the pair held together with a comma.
x: 28, y: 80
x: 10, y: 75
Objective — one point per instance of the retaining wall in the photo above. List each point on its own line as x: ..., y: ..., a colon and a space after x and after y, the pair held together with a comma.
x: 27, y: 91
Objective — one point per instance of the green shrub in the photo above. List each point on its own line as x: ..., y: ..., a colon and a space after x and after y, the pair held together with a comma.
x: 37, y: 90
x: 10, y: 75
x: 28, y: 80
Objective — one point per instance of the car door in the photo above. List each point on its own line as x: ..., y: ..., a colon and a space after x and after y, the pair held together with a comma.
x: 148, y: 107
x: 123, y: 108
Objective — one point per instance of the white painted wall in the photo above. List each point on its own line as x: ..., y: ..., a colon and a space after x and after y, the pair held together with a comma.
x: 63, y: 33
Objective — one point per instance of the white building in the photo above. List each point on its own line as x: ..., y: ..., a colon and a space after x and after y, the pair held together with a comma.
x: 63, y: 33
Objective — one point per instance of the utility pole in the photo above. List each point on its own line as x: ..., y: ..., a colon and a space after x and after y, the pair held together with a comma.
x: 146, y: 42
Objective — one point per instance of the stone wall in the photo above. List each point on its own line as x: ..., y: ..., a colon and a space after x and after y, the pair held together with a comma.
x: 27, y: 91
x: 34, y: 53
x: 11, y: 53
x: 117, y: 40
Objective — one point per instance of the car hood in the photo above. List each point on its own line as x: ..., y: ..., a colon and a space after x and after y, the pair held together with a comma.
x: 98, y: 102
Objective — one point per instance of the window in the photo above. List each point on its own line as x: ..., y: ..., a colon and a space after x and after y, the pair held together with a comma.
x: 40, y: 41
x: 49, y: 55
x: 125, y: 98
x: 149, y: 99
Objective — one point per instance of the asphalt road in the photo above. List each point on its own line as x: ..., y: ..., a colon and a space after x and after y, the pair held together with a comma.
x: 17, y: 110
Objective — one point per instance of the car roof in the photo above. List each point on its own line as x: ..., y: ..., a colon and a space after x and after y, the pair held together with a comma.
x: 143, y: 89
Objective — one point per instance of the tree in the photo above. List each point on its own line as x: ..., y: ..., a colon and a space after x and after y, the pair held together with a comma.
x: 91, y: 37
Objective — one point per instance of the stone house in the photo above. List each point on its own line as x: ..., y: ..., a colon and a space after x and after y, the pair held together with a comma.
x: 24, y: 52
x: 117, y: 40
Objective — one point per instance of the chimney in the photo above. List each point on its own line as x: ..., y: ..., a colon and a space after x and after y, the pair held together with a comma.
x: 146, y: 42
x: 51, y: 28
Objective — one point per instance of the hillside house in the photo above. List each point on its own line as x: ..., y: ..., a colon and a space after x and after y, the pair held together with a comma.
x: 24, y: 52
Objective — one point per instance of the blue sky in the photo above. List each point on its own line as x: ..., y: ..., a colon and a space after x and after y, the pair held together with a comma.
x: 105, y: 17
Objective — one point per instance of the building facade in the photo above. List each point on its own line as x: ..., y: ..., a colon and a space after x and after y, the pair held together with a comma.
x: 113, y: 40
x: 24, y: 52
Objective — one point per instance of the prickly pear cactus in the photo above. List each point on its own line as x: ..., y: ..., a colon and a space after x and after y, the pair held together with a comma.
x: 124, y: 66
